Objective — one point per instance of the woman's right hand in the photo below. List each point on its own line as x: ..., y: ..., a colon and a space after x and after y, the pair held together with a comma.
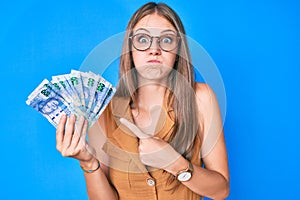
x: 71, y: 139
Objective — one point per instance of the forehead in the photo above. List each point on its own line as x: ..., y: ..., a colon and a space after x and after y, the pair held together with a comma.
x: 154, y: 24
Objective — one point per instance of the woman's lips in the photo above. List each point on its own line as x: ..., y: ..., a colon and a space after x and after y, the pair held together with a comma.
x: 153, y: 61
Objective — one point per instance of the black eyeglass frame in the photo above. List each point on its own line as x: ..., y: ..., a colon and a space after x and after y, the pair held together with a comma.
x: 151, y: 40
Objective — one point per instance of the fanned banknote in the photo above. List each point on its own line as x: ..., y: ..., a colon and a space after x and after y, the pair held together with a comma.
x: 81, y: 93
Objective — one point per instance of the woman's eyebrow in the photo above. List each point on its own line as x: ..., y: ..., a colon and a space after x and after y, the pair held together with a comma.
x: 168, y: 30
x: 148, y: 31
x: 142, y: 29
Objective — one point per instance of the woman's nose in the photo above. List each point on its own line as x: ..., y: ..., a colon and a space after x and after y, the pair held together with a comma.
x: 155, y: 48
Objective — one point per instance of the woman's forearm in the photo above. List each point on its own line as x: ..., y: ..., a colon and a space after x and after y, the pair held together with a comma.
x: 205, y: 182
x: 98, y: 186
x: 208, y: 183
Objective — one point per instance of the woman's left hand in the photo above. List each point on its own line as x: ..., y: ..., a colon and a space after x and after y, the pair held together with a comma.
x: 154, y: 151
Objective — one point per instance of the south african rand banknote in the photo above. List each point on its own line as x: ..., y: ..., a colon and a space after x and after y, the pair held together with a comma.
x: 81, y: 93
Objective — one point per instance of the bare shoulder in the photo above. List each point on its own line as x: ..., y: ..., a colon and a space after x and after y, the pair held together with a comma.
x: 204, y: 95
x: 208, y: 109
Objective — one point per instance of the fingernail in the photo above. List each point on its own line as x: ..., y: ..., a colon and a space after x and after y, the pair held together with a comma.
x: 63, y: 116
x: 122, y: 120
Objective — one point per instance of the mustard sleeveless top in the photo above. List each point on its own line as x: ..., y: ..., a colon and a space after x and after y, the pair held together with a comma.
x: 131, y: 178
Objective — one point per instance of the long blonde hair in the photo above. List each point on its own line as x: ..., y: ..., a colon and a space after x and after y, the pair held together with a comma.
x: 180, y: 82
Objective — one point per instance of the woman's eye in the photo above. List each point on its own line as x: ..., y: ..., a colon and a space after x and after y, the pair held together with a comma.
x: 167, y: 40
x: 143, y: 39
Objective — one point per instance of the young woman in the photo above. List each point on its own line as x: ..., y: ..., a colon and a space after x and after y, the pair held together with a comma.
x: 163, y: 132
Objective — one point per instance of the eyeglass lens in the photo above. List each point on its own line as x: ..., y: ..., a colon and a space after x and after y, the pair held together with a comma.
x: 167, y: 42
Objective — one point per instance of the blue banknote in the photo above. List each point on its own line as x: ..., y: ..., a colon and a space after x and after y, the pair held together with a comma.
x: 50, y: 104
x: 82, y: 93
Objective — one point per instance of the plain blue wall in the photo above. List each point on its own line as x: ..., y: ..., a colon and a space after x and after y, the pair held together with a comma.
x: 255, y: 45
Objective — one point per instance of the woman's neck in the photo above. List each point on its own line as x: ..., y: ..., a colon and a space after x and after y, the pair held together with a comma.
x: 150, y: 95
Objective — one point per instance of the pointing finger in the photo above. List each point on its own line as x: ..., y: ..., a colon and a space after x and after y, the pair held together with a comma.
x: 134, y: 129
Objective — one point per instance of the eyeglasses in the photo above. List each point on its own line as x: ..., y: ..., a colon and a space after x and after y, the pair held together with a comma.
x: 143, y: 41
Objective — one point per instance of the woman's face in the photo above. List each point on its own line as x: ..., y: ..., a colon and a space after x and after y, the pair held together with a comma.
x: 155, y: 62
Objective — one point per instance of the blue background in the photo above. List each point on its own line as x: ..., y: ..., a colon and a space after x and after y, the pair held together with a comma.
x: 255, y: 45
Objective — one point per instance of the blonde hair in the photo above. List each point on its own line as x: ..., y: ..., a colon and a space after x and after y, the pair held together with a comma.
x: 180, y: 81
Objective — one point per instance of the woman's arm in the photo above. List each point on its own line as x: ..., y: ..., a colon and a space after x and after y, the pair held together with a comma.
x: 71, y: 142
x: 97, y: 184
x: 213, y: 180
